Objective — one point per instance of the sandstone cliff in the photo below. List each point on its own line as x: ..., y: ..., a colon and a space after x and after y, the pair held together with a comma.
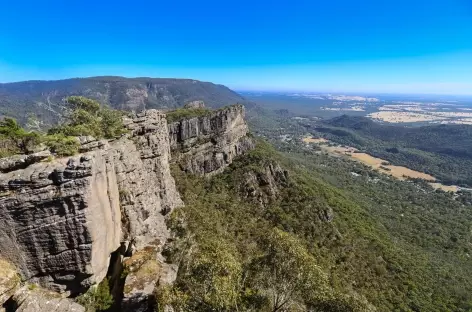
x: 66, y: 224
x: 207, y: 144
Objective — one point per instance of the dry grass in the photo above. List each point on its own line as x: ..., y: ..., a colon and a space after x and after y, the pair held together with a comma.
x: 399, y: 172
x: 403, y: 172
x: 314, y: 140
x: 399, y: 117
x: 408, y: 114
x: 446, y: 188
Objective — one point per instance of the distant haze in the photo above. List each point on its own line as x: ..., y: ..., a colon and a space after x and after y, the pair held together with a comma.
x: 404, y: 46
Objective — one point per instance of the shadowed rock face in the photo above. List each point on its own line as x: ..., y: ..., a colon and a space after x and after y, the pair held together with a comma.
x: 206, y: 145
x: 60, y: 221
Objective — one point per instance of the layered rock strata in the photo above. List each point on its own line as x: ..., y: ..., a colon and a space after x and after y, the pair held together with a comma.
x: 68, y: 223
x: 206, y: 145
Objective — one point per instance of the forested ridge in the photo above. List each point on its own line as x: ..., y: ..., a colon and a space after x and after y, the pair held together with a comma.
x: 45, y: 100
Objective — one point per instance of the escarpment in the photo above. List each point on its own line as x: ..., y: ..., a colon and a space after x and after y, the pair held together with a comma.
x: 67, y: 224
x: 207, y: 144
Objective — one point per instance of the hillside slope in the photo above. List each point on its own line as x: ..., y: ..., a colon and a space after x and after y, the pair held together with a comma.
x: 380, y: 244
x: 44, y: 99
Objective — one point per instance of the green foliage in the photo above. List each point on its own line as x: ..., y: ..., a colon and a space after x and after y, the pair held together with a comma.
x: 14, y: 139
x: 287, y: 273
x: 85, y: 118
x: 80, y: 103
x: 97, y: 298
x: 62, y: 145
x: 213, y: 275
x: 443, y: 151
x: 111, y: 123
x: 171, y: 296
x: 9, y: 126
x: 185, y: 113
x: 235, y: 255
x: 322, y: 239
x: 88, y: 118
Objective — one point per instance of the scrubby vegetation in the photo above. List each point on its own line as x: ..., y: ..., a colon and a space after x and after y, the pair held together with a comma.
x: 97, y: 298
x: 185, y: 113
x: 85, y: 117
x: 16, y: 140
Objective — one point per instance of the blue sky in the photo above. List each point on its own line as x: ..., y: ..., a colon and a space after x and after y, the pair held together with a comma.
x: 412, y: 46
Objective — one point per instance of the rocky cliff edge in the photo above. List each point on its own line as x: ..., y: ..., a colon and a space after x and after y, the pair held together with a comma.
x: 66, y: 224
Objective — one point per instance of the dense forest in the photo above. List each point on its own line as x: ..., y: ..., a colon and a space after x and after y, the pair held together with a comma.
x: 248, y: 238
x: 444, y: 151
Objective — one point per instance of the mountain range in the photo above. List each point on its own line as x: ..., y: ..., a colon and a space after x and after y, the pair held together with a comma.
x: 45, y: 99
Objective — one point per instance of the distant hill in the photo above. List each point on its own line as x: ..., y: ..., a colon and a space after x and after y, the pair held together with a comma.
x: 45, y: 98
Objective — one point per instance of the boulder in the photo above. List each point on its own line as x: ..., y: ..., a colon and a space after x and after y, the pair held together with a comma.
x: 195, y: 104
x: 34, y: 299
x: 16, y: 162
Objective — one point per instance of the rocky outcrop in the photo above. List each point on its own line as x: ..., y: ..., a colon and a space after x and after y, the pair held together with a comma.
x: 195, y: 104
x: 207, y: 144
x: 66, y: 224
x: 16, y: 162
x: 61, y: 220
x: 9, y: 280
x: 34, y: 299
x: 263, y: 186
x: 147, y: 188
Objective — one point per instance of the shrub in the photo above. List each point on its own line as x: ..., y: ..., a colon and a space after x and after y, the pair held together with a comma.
x: 185, y: 113
x: 14, y: 139
x: 62, y: 145
x: 88, y: 118
x: 170, y: 296
x: 97, y: 298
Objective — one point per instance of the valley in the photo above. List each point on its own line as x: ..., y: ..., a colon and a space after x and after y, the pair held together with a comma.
x: 378, y: 164
x: 223, y: 208
x: 246, y: 156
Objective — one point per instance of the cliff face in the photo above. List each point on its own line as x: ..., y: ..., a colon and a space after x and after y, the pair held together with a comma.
x: 206, y: 145
x: 61, y: 220
x: 67, y: 223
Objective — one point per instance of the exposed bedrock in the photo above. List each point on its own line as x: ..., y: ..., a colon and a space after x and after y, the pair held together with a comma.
x: 67, y: 223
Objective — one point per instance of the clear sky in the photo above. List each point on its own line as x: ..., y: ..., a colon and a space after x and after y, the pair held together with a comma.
x: 408, y: 46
